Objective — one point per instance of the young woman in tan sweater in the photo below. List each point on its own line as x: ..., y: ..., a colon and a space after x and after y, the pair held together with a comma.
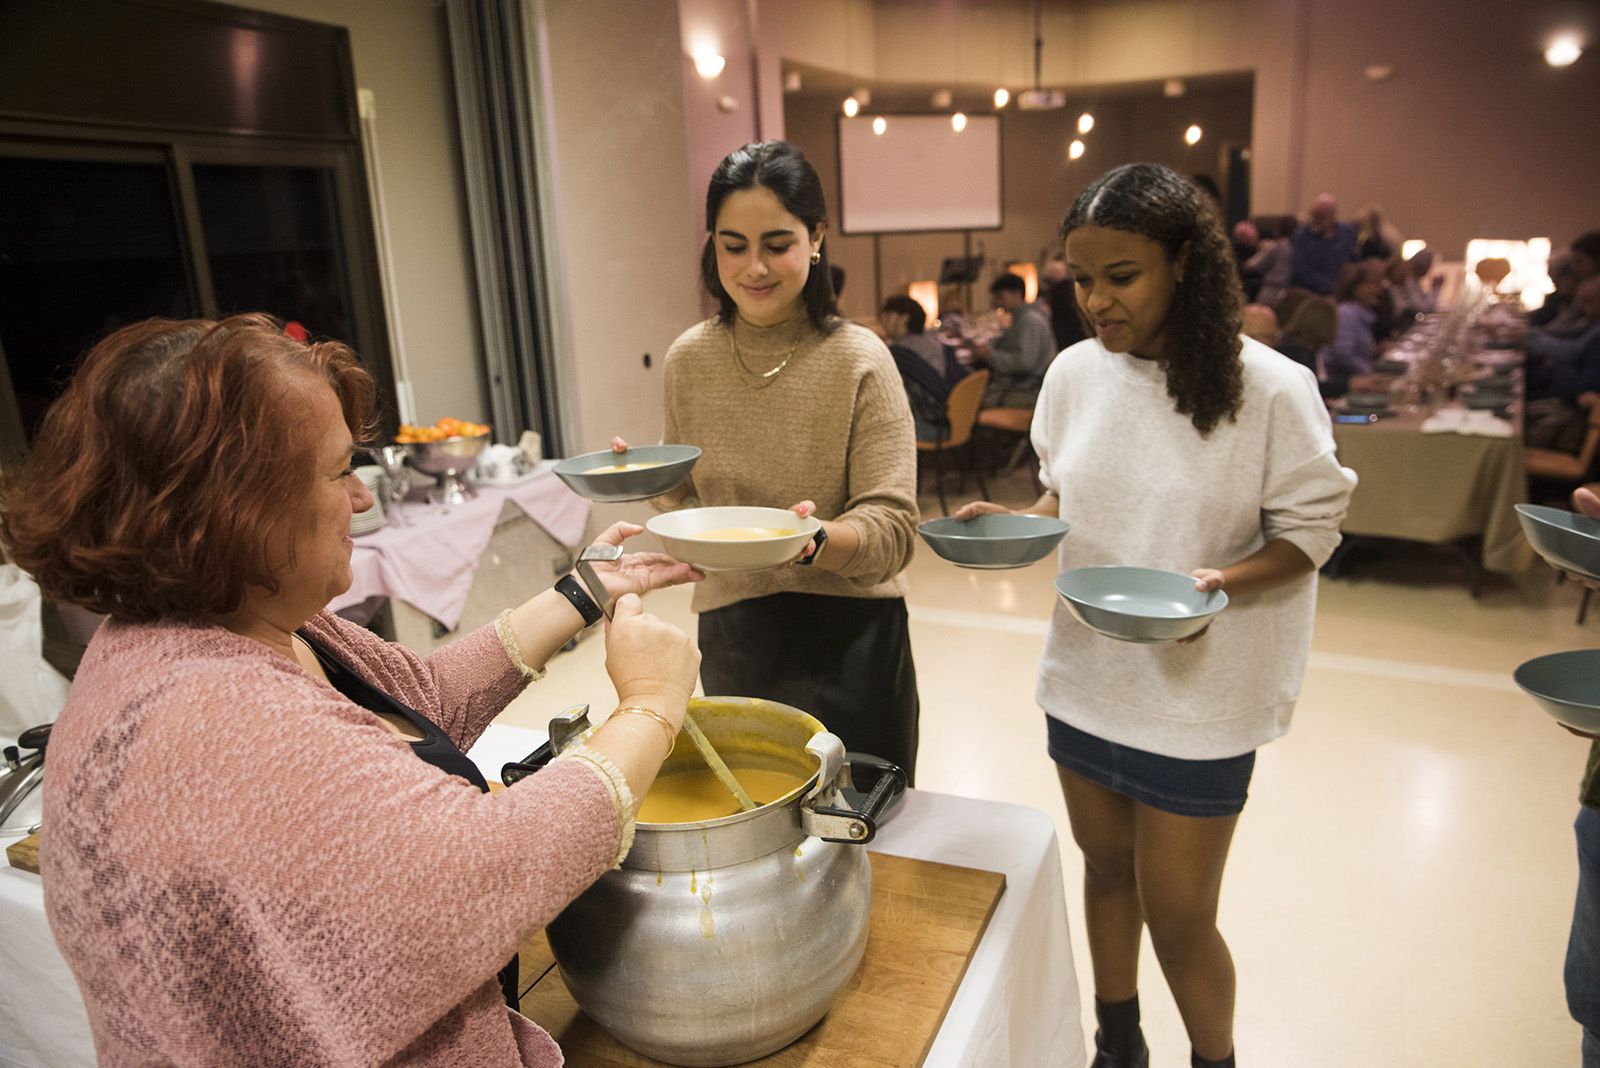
x: 794, y: 408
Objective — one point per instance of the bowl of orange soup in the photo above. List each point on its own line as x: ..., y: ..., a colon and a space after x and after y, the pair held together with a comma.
x: 733, y: 538
x: 640, y: 472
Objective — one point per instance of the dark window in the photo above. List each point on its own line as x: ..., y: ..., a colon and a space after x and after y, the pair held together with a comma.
x: 272, y: 239
x: 85, y: 247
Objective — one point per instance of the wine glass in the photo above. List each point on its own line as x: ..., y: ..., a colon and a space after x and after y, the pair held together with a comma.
x: 396, y: 482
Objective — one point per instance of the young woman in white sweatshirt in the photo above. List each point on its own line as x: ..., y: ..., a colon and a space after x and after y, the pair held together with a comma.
x: 1170, y: 441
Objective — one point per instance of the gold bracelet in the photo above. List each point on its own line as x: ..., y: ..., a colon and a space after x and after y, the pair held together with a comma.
x: 666, y: 724
x: 508, y: 642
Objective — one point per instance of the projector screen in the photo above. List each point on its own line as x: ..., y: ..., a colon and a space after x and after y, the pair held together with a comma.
x: 919, y: 174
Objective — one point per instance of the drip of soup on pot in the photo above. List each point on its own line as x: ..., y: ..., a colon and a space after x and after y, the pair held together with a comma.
x: 617, y: 469
x: 744, y: 533
x: 692, y: 796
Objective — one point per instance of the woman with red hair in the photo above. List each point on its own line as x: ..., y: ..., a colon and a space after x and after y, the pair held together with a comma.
x: 265, y: 842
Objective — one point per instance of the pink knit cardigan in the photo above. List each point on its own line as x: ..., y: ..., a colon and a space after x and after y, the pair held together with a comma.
x: 243, y: 867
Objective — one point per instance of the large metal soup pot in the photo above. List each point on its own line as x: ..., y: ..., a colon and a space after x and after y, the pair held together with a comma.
x: 721, y: 941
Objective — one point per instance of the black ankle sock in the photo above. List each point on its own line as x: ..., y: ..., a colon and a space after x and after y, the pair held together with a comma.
x: 1197, y: 1061
x: 1119, y: 1025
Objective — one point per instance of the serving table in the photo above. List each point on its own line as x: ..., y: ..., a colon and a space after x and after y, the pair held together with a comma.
x: 446, y: 570
x: 1017, y: 1003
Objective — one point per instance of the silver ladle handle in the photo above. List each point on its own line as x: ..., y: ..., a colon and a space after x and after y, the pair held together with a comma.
x: 591, y: 580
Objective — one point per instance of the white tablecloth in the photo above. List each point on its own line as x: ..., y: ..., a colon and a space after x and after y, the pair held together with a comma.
x: 1017, y: 1005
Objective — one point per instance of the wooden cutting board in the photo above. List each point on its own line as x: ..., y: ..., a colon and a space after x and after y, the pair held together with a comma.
x: 926, y: 921
x: 24, y: 853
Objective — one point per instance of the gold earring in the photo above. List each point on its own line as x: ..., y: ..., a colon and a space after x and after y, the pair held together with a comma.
x: 816, y: 257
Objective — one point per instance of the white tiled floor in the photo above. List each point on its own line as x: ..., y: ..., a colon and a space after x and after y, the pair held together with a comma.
x: 1401, y: 883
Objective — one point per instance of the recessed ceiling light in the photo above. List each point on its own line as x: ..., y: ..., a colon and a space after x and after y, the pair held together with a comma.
x: 1563, y: 51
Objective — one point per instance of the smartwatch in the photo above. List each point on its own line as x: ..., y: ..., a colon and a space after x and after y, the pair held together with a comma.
x: 573, y: 590
x: 819, y: 539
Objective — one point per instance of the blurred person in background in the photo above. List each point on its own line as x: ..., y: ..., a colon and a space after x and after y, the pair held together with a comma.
x: 1564, y: 279
x: 1312, y: 328
x: 923, y: 365
x: 1355, y: 345
x: 1376, y: 237
x: 1246, y: 243
x: 1583, y: 258
x: 1272, y: 261
x: 1065, y: 322
x: 1260, y: 322
x: 1413, y: 291
x: 1017, y: 359
x: 1322, y: 246
x: 905, y: 323
x: 1571, y: 365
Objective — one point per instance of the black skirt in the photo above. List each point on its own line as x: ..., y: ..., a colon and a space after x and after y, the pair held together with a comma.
x: 845, y: 660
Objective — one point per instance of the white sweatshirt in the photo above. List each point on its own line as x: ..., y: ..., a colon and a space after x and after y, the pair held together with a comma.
x: 1140, y: 486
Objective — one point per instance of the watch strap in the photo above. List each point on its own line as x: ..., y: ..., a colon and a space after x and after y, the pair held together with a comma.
x: 573, y: 590
x: 819, y: 539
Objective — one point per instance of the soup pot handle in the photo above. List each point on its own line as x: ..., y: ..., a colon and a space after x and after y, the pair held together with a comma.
x: 565, y: 729
x: 839, y: 823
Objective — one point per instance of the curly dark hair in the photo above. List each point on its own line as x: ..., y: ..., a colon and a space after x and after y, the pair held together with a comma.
x: 1205, y: 377
x: 164, y: 470
x: 779, y: 167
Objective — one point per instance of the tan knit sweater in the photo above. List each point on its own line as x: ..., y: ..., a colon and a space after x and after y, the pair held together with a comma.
x: 243, y: 867
x: 833, y: 427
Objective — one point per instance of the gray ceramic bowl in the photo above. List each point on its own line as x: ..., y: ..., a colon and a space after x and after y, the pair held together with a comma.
x: 609, y: 476
x: 1486, y: 401
x: 993, y: 541
x: 1566, y: 685
x: 1138, y: 604
x: 1566, y: 540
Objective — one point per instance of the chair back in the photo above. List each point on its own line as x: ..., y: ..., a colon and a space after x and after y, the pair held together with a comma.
x: 962, y: 407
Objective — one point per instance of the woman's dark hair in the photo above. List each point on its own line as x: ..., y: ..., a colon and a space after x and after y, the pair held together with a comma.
x: 1008, y: 282
x: 779, y: 167
x: 916, y: 315
x: 1351, y: 275
x: 1314, y: 323
x: 1204, y: 374
x: 1588, y: 244
x: 169, y: 464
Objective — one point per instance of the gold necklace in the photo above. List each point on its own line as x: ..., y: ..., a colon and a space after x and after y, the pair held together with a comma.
x: 763, y: 379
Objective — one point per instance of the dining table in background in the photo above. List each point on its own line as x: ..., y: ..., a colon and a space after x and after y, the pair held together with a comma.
x: 1434, y: 472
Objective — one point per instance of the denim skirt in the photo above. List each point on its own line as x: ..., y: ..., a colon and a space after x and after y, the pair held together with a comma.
x: 1171, y: 784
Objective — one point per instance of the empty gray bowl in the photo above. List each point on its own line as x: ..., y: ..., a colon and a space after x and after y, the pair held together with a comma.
x: 1566, y: 540
x: 993, y: 541
x: 1138, y: 604
x: 1566, y: 685
x: 610, y: 476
